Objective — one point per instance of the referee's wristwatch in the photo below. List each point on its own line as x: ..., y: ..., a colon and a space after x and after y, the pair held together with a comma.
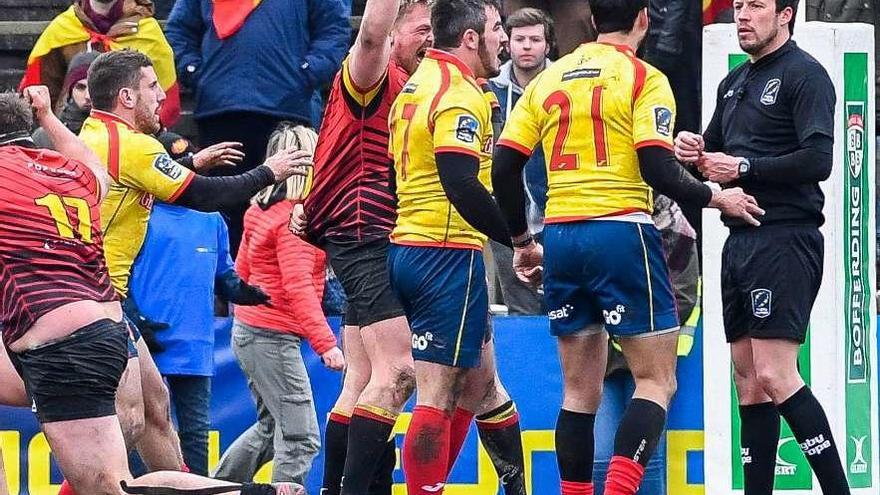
x: 744, y: 168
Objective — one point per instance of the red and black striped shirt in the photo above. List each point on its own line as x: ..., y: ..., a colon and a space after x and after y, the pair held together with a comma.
x: 51, y: 249
x: 352, y: 196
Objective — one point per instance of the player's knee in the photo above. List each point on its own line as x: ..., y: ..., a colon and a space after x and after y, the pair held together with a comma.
x: 582, y: 395
x: 667, y: 384
x: 134, y: 431
x: 772, y: 382
x: 747, y: 387
x: 131, y: 421
x: 659, y: 387
x: 402, y: 378
x: 157, y: 407
x: 355, y: 381
x: 582, y: 385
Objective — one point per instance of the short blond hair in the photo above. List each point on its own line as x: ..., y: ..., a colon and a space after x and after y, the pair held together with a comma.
x: 407, y: 6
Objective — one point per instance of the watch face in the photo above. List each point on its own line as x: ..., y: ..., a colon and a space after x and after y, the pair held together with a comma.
x: 743, y: 167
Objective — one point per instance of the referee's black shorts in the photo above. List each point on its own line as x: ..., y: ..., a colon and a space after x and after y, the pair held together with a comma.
x: 769, y: 280
x: 362, y: 269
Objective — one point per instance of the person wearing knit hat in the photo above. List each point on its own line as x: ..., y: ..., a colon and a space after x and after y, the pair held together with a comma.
x: 74, y: 101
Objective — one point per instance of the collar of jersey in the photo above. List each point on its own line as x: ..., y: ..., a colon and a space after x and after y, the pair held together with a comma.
x: 442, y: 56
x: 770, y: 57
x: 109, y: 117
x: 621, y: 48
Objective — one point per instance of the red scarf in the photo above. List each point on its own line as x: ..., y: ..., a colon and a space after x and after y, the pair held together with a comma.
x: 229, y: 15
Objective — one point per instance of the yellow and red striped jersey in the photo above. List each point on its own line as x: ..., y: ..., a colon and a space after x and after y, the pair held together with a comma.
x: 441, y: 109
x: 591, y: 111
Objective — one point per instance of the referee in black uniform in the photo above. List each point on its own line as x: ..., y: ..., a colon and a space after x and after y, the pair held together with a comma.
x: 772, y: 134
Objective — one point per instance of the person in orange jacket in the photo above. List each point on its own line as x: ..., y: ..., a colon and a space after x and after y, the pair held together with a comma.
x: 267, y: 340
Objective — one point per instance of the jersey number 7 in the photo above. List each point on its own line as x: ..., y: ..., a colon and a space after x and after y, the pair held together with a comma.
x: 409, y: 111
x: 57, y: 206
x: 559, y: 159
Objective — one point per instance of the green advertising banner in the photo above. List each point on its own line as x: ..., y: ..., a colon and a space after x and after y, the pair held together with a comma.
x: 858, y: 285
x: 792, y: 469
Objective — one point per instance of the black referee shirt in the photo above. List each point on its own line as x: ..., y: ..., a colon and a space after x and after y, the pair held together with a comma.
x: 768, y: 109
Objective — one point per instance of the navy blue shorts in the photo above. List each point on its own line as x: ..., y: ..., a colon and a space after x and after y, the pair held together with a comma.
x: 444, y: 295
x: 607, y: 272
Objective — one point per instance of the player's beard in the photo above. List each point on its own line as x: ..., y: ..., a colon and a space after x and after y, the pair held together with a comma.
x: 490, y: 69
x: 144, y: 120
x: 760, y: 44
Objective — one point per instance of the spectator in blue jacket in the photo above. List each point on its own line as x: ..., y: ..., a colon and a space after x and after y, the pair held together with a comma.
x: 254, y: 64
x: 531, y: 40
x: 184, y: 261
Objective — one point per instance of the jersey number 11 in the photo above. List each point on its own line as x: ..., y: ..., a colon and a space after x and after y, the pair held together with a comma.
x: 57, y: 206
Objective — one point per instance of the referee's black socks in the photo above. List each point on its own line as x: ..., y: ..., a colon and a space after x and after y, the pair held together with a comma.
x: 810, y: 427
x: 759, y: 436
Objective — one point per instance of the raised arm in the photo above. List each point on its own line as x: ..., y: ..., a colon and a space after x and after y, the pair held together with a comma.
x: 66, y: 142
x: 368, y: 59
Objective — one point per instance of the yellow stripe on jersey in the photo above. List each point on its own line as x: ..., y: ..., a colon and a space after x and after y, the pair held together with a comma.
x: 139, y: 169
x: 441, y: 109
x: 591, y: 111
x: 363, y: 96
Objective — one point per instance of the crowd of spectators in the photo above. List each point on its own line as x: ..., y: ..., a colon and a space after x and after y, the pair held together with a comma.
x: 256, y: 65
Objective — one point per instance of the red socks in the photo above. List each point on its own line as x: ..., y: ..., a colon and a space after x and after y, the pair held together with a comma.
x: 577, y: 488
x: 66, y: 489
x: 426, y: 451
x: 461, y: 424
x: 624, y: 476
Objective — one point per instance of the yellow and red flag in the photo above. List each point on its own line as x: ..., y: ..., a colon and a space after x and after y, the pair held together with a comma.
x: 67, y: 29
x: 229, y: 15
x: 711, y: 9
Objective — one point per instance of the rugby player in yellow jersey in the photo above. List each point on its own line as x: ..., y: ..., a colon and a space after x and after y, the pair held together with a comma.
x: 441, y: 141
x: 126, y: 104
x: 605, y: 120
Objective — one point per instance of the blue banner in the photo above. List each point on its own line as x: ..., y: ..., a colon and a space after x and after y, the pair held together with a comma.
x: 529, y: 369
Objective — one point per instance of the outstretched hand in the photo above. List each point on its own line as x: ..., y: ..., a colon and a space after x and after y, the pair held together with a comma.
x: 527, y: 264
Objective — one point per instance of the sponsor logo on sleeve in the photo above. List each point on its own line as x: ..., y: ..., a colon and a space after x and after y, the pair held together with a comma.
x: 466, y: 128
x: 163, y: 163
x: 663, y: 121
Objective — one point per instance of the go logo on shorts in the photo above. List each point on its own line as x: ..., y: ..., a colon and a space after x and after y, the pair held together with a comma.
x: 420, y: 342
x: 615, y: 316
